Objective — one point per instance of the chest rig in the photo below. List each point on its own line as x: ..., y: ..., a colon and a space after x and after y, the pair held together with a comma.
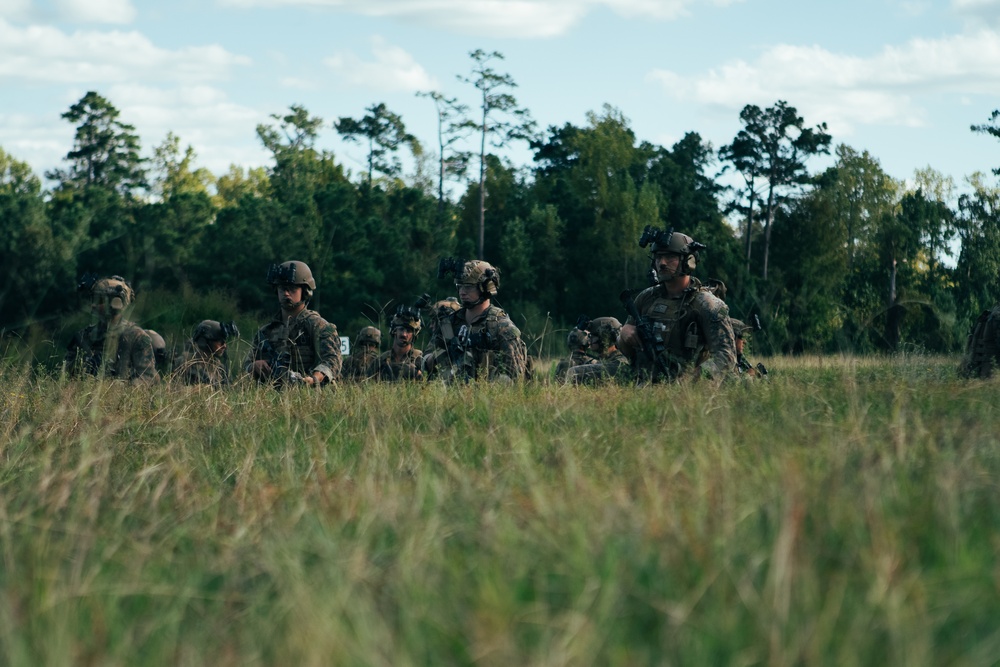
x: 677, y: 329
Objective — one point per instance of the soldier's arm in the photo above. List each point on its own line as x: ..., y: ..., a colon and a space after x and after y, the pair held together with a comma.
x: 512, y: 349
x: 719, y: 338
x: 143, y: 360
x: 255, y: 364
x: 326, y: 342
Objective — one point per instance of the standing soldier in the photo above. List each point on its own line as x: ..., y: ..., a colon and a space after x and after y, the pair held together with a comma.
x: 487, y: 345
x: 677, y: 328
x: 402, y: 361
x: 608, y: 362
x: 113, y: 346
x: 205, y: 360
x: 298, y: 345
x: 578, y: 342
x: 364, y: 354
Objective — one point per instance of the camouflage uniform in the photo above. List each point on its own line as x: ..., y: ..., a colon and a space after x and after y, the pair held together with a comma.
x: 164, y: 358
x: 300, y: 344
x: 435, y: 354
x: 364, y: 353
x: 577, y: 341
x: 120, y: 350
x: 694, y: 329
x: 609, y: 364
x: 113, y: 347
x: 576, y: 358
x: 305, y: 344
x: 982, y: 349
x: 389, y: 369
x: 197, y: 367
x: 392, y: 368
x: 741, y: 335
x: 492, y: 344
x: 205, y: 359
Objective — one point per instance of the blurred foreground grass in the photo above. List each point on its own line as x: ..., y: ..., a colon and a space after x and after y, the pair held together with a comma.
x: 845, y: 512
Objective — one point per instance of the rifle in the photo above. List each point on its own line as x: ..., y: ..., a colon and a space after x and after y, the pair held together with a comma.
x: 654, y: 348
x: 744, y: 366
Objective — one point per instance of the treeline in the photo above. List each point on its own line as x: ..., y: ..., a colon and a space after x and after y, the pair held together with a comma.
x: 847, y: 259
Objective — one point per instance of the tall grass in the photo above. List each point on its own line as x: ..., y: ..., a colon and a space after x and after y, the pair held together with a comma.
x: 845, y: 512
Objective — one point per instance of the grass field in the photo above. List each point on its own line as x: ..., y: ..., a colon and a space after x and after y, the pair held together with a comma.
x: 845, y: 512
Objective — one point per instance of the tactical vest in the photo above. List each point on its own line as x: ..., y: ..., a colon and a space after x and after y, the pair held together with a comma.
x: 677, y: 328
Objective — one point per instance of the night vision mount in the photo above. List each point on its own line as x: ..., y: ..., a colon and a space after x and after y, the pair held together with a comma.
x: 281, y: 274
x: 655, y: 235
x: 229, y: 330
x: 413, y: 312
x: 662, y: 238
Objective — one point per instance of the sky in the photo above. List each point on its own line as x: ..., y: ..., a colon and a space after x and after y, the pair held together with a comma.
x: 902, y: 79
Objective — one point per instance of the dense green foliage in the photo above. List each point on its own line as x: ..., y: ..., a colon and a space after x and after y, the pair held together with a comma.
x: 848, y: 259
x: 845, y: 512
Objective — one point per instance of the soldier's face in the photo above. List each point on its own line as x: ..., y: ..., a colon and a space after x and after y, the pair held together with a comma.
x: 667, y: 265
x: 402, y: 336
x: 289, y: 295
x: 468, y: 294
x: 216, y: 347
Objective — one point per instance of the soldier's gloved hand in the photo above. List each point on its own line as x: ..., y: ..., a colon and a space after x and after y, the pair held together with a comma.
x: 261, y: 369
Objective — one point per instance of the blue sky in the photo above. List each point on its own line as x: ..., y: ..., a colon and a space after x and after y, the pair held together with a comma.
x: 903, y: 79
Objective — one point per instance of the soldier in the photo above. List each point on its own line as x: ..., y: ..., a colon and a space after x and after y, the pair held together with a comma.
x: 483, y: 342
x: 608, y: 362
x: 298, y: 345
x: 364, y: 354
x: 982, y: 349
x: 402, y: 361
x: 113, y: 346
x: 435, y: 356
x: 677, y: 328
x: 205, y: 360
x: 741, y: 332
x: 578, y: 342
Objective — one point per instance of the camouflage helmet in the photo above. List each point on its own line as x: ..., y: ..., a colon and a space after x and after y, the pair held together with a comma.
x: 116, y: 292
x: 212, y: 330
x: 605, y: 331
x: 678, y: 244
x: 444, y: 308
x: 405, y: 317
x: 481, y: 274
x: 292, y: 273
x: 369, y: 336
x: 577, y: 338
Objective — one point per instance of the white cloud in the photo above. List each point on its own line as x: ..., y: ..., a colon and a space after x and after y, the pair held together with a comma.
x: 220, y: 130
x: 393, y: 69
x: 846, y: 91
x: 494, y: 18
x: 15, y: 9
x: 202, y: 116
x: 47, y: 54
x: 97, y: 11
